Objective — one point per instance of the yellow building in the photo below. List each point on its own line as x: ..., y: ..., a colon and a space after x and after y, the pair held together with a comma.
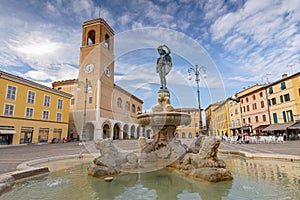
x: 209, y: 117
x: 220, y: 116
x: 31, y: 112
x: 235, y: 120
x: 191, y: 130
x: 284, y: 104
x: 99, y: 108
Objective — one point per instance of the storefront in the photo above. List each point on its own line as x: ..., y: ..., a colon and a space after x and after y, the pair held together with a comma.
x: 6, y: 136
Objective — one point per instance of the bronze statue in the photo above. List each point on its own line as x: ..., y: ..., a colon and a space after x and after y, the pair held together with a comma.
x: 163, y: 64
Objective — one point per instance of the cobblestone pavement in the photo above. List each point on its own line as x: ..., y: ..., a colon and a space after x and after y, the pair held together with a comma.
x: 12, y: 156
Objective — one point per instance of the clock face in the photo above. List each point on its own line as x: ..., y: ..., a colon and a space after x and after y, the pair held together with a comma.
x: 107, y: 71
x: 89, y: 68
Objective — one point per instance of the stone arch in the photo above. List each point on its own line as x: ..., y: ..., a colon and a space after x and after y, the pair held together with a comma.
x: 132, y: 131
x: 117, y: 131
x: 183, y: 135
x: 106, y: 42
x: 91, y: 37
x: 89, y: 131
x: 138, y: 132
x: 190, y: 135
x: 125, y: 131
x: 106, y: 126
x: 148, y: 133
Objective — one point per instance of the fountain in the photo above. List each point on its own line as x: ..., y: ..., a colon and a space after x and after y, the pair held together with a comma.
x: 164, y: 150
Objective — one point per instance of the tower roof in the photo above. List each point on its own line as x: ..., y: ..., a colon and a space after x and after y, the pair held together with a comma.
x: 98, y: 21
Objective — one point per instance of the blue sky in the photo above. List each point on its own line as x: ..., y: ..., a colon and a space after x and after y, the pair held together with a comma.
x: 240, y: 43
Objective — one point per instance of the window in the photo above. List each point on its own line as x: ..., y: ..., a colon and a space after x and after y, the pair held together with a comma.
x: 273, y: 101
x: 9, y: 109
x: 275, y: 118
x: 133, y: 108
x: 196, y: 124
x: 11, y: 92
x: 45, y: 114
x: 262, y: 104
x: 29, y: 113
x: 119, y: 102
x: 244, y: 121
x: 90, y: 100
x: 58, y: 117
x: 176, y: 135
x: 284, y: 116
x: 59, y: 104
x: 190, y: 135
x: 290, y: 117
x: 264, y: 118
x: 127, y: 106
x: 249, y: 120
x: 183, y: 135
x: 254, y: 97
x: 248, y: 108
x: 238, y: 123
x: 261, y: 94
x: 283, y: 86
x: 254, y: 106
x: 256, y: 118
x: 138, y: 109
x: 72, y: 101
x: 247, y: 99
x: 244, y: 109
x: 91, y: 37
x: 269, y: 102
x: 286, y: 97
x: 236, y: 111
x: 242, y: 101
x: 47, y: 101
x: 270, y: 90
x: 30, y: 97
x: 281, y: 99
x: 43, y: 134
x: 106, y: 44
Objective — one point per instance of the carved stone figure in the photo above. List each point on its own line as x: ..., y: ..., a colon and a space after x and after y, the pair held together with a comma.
x: 163, y: 64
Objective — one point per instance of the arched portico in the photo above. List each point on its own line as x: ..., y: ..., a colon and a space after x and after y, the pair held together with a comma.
x: 125, y: 131
x: 106, y: 130
x: 132, y: 131
x: 117, y: 132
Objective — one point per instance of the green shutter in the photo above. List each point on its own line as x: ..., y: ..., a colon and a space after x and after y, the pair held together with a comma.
x: 275, y: 118
x: 284, y: 116
x: 281, y: 99
x: 291, y: 115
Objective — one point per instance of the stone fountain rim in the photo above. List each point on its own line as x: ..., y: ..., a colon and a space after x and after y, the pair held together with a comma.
x: 163, y: 114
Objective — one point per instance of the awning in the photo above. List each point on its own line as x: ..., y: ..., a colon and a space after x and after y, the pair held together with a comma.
x: 261, y: 127
x: 295, y: 126
x: 278, y: 127
x: 7, y: 132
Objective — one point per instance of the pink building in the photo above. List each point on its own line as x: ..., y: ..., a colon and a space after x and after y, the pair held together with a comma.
x: 254, y: 109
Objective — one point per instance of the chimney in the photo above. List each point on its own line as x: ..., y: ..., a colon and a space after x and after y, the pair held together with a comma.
x: 284, y: 76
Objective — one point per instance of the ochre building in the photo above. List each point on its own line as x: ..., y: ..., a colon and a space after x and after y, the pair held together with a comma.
x: 31, y: 112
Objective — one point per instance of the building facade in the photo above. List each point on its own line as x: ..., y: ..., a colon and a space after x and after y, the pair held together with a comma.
x: 284, y: 104
x: 254, y: 109
x: 30, y: 112
x: 220, y: 116
x: 99, y: 108
x: 191, y: 130
x: 234, y: 111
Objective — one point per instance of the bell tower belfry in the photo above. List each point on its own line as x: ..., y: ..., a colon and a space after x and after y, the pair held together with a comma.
x: 96, y: 65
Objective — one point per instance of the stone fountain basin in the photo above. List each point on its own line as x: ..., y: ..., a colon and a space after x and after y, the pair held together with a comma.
x: 164, y: 118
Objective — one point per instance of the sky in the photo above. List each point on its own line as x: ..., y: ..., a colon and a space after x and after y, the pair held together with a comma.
x: 239, y: 43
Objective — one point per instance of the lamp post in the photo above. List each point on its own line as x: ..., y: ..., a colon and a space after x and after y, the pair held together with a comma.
x: 197, y: 70
x: 87, y: 89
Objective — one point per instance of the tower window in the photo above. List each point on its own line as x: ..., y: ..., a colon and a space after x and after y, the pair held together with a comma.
x: 91, y: 37
x: 106, y: 43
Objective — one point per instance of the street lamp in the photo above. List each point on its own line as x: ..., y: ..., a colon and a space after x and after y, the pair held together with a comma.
x: 87, y: 89
x: 197, y: 70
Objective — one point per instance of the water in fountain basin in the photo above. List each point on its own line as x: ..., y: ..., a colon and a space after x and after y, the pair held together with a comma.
x: 253, y: 179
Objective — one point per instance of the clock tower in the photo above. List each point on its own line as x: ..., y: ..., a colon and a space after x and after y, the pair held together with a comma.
x: 96, y: 66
